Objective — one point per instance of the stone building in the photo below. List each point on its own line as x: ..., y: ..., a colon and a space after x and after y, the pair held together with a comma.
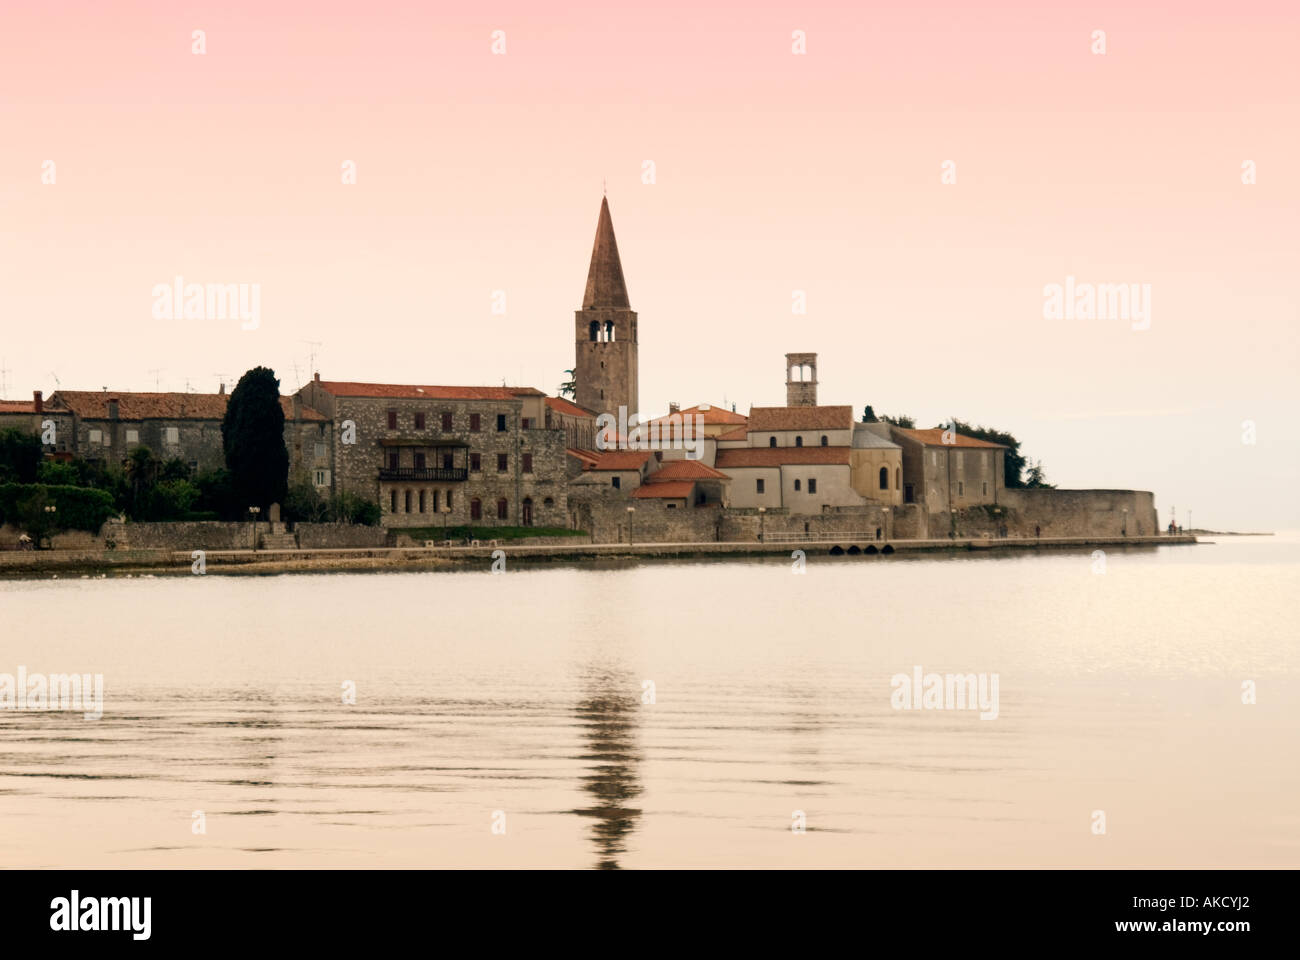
x: 801, y: 379
x: 605, y: 355
x: 945, y: 470
x: 105, y: 426
x: 438, y: 455
x: 877, y: 464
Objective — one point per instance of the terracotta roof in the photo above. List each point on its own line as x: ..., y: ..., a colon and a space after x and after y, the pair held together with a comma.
x: 776, y: 456
x: 411, y: 391
x: 799, y: 418
x: 741, y: 433
x: 568, y: 408
x: 710, y: 413
x: 685, y: 470
x: 672, y: 490
x: 605, y: 286
x: 934, y: 438
x: 17, y: 406
x: 588, y: 457
x: 93, y: 405
x: 621, y: 460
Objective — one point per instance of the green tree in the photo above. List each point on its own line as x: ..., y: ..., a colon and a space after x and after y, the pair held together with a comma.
x: 1014, y: 462
x: 304, y: 503
x: 907, y: 423
x: 57, y: 474
x: 869, y: 415
x: 252, y: 435
x: 1036, y: 477
x: 20, y: 456
x: 34, y: 518
x: 569, y: 388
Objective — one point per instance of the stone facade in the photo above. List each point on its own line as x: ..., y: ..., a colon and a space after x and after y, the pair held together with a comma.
x: 605, y: 354
x: 801, y: 379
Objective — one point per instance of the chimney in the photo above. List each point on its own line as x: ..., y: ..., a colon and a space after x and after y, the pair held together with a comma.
x: 674, y: 408
x: 222, y: 390
x: 37, y: 402
x: 112, y: 409
x: 317, y: 377
x: 297, y: 408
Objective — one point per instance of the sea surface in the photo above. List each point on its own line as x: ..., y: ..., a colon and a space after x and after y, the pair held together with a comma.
x: 667, y: 714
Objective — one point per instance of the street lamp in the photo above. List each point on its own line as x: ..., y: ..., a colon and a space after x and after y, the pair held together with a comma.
x: 51, y: 509
x: 630, y: 511
x: 446, y: 513
x: 252, y: 518
x: 1124, y: 523
x: 762, y: 512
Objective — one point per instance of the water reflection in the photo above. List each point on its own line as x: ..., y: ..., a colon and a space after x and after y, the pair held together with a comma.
x: 609, y: 718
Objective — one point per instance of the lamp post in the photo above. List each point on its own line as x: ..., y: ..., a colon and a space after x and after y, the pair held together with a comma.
x: 884, y: 512
x: 1124, y: 526
x: 630, y: 511
x: 51, y: 509
x: 446, y: 514
x: 762, y: 513
x: 252, y: 519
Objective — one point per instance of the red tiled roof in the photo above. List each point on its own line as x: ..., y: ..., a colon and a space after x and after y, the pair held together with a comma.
x: 568, y: 408
x: 17, y: 406
x: 405, y: 391
x: 685, y: 470
x: 741, y: 433
x: 93, y: 405
x: 586, y: 456
x: 672, y: 490
x: 776, y: 456
x: 799, y: 418
x: 710, y: 413
x: 934, y: 438
x: 621, y: 460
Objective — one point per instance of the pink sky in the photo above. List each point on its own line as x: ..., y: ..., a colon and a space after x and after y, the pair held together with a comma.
x: 775, y: 172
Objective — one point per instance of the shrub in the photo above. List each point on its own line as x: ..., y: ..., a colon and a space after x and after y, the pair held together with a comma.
x: 78, y: 508
x: 353, y: 508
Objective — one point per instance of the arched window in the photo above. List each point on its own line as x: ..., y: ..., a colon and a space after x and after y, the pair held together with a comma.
x: 503, y: 509
x: 798, y: 441
x: 898, y: 478
x: 824, y: 440
x: 796, y: 484
x: 884, y: 478
x: 594, y: 331
x: 476, y: 509
x: 528, y: 511
x: 609, y: 331
x: 771, y: 441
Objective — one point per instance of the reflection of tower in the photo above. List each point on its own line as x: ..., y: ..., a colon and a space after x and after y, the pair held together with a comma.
x: 801, y: 390
x: 609, y: 719
x: 605, y: 364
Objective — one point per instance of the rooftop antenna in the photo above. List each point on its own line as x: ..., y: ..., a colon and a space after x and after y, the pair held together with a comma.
x: 4, y: 379
x: 312, y: 355
x: 57, y: 385
x: 155, y: 371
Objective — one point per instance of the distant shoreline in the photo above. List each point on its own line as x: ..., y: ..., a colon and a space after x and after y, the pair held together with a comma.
x: 50, y: 563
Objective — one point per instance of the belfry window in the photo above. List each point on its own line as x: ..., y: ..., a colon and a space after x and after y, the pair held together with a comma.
x: 594, y: 330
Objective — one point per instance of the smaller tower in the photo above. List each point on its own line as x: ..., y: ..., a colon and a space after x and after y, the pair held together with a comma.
x: 801, y: 379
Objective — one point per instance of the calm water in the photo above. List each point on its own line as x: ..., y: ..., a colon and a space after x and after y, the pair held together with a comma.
x: 522, y: 693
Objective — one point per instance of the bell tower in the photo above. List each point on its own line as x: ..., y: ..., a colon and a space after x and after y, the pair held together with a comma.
x: 801, y: 379
x: 605, y: 355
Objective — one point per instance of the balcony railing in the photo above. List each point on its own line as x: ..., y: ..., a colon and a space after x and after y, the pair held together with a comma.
x: 423, y: 473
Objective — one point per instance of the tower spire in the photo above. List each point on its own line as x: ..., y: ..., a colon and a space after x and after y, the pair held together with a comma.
x: 605, y: 285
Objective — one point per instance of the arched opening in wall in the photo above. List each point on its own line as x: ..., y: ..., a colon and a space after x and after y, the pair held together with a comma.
x: 476, y: 509
x: 771, y: 441
x: 528, y: 512
x: 392, y: 501
x: 823, y: 441
x: 837, y: 551
x: 798, y: 441
x: 503, y: 509
x: 854, y: 551
x: 609, y: 331
x: 871, y: 549
x: 548, y: 502
x: 887, y: 548
x: 884, y: 478
x: 796, y: 484
x: 594, y: 331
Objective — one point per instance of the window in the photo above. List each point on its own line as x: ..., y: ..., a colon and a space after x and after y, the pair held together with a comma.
x: 448, y: 499
x: 898, y: 477
x: 173, y: 436
x: 392, y: 501
x: 96, y: 436
x: 670, y: 506
x: 884, y: 478
x: 771, y: 441
x: 984, y: 488
x: 475, y: 462
x: 319, y: 450
x: 798, y: 441
x: 435, y: 506
x: 322, y: 478
x: 527, y: 518
x: 796, y: 484
x: 475, y: 422
x: 526, y: 423
x: 392, y: 419
x: 503, y: 462
x: 406, y: 502
x: 615, y: 482
x: 419, y: 425
x: 446, y: 421
x: 419, y: 461
x: 528, y: 463
x: 133, y: 436
x: 812, y: 484
x: 501, y: 423
x: 961, y: 488
x: 435, y: 501
x: 447, y: 461
x: 476, y: 509
x: 548, y: 502
x: 392, y: 461
x: 593, y: 330
x: 823, y: 440
x: 503, y: 509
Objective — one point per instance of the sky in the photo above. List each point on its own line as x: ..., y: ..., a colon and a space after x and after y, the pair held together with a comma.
x: 128, y: 159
